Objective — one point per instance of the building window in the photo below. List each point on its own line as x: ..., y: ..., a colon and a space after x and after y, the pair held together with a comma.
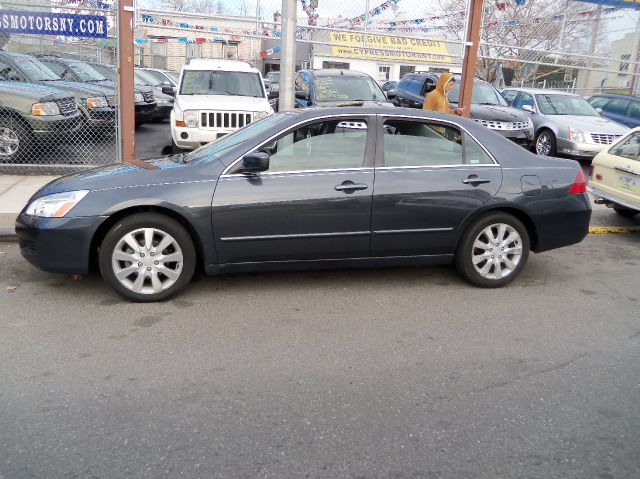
x: 141, y: 61
x: 384, y: 72
x: 404, y: 69
x: 159, y: 55
x: 230, y: 51
x: 193, y: 50
x: 624, y: 64
x: 335, y: 65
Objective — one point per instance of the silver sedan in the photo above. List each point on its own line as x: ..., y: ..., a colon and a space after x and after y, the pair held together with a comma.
x: 564, y: 123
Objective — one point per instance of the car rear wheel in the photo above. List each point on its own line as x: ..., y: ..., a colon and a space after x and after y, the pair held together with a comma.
x: 148, y: 257
x: 545, y: 143
x: 626, y: 212
x: 493, y: 250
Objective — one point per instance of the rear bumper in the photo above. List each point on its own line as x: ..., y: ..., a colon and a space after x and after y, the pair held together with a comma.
x: 566, y: 225
x: 57, y: 245
x: 611, y: 199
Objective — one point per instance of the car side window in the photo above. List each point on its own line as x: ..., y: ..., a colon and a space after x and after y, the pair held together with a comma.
x: 300, y: 84
x: 617, y: 106
x: 7, y: 73
x: 598, y: 101
x: 522, y: 100
x: 330, y: 144
x: 509, y: 96
x: 57, y: 68
x: 474, y: 154
x: 634, y: 110
x: 416, y: 143
x: 429, y: 86
x: 629, y: 148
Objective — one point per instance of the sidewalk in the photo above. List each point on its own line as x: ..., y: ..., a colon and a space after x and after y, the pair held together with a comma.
x: 15, y: 191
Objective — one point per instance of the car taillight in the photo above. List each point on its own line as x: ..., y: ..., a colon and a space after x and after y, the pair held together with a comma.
x: 591, y: 170
x: 579, y: 184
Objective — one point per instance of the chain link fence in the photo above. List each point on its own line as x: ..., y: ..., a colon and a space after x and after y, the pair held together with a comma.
x: 57, y: 113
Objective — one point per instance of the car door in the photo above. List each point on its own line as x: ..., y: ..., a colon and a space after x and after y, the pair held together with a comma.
x: 403, y: 90
x: 313, y: 203
x: 429, y: 177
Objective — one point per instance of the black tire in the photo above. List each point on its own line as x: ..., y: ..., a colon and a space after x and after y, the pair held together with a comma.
x: 626, y: 212
x: 175, y: 149
x: 466, y: 250
x: 16, y: 141
x: 548, y: 136
x: 164, y: 228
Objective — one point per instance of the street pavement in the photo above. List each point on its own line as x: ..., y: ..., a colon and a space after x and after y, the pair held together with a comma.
x: 382, y: 373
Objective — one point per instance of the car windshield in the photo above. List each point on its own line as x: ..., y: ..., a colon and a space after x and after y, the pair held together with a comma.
x: 85, y: 72
x: 483, y: 94
x: 205, y: 82
x: 144, y: 78
x: 274, y: 77
x: 217, y: 148
x: 346, y: 88
x: 172, y: 76
x: 108, y: 72
x: 35, y: 70
x: 157, y: 77
x: 564, y: 105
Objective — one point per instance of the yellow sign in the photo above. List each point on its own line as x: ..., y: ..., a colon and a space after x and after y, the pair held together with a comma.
x: 388, y: 47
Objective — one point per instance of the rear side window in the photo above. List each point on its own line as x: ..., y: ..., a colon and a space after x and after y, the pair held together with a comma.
x: 598, y: 101
x: 617, y: 106
x: 629, y: 148
x: 416, y: 143
x: 634, y: 110
x: 474, y: 154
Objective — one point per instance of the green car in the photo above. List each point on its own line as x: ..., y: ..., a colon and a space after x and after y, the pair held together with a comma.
x: 33, y: 116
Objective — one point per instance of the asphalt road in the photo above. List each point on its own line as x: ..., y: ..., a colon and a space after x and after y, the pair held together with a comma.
x: 392, y: 373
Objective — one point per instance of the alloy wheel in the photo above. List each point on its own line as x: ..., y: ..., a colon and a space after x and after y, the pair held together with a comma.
x: 9, y: 142
x: 496, y: 251
x: 543, y: 145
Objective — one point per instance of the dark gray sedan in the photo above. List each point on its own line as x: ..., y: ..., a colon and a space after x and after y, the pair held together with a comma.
x: 324, y: 188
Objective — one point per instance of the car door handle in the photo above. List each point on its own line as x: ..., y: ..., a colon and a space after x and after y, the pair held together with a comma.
x: 474, y: 180
x: 350, y: 186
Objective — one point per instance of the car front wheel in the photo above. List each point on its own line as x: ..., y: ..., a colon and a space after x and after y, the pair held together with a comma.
x: 147, y: 257
x: 545, y: 143
x: 15, y: 140
x: 493, y: 250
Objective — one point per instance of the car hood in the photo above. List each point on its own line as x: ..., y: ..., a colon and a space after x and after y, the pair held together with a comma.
x: 81, y: 89
x: 590, y: 124
x: 497, y: 113
x: 120, y: 175
x: 222, y: 102
x: 30, y: 90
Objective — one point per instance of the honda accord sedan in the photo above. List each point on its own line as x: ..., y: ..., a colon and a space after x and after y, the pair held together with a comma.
x: 319, y: 188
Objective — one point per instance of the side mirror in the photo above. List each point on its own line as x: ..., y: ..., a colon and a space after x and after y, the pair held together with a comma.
x: 255, y: 162
x: 599, y: 110
x: 391, y: 94
x: 302, y: 95
x: 528, y: 108
x: 167, y: 89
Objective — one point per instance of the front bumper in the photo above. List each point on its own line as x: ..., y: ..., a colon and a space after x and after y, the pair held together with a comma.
x: 579, y: 150
x: 101, y: 117
x: 55, y: 127
x: 610, y: 199
x: 57, y: 245
x: 163, y: 111
x: 145, y: 111
x: 192, y: 138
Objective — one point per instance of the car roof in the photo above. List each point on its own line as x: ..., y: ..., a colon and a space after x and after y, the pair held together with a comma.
x: 335, y: 72
x: 537, y: 91
x: 225, y: 65
x: 626, y: 96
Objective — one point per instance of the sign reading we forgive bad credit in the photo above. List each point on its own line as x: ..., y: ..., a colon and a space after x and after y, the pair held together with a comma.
x: 45, y: 23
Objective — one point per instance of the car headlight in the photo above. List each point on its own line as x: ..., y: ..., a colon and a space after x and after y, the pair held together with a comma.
x: 259, y: 115
x: 576, y: 135
x: 190, y: 118
x: 138, y: 97
x: 56, y: 205
x: 97, y: 102
x: 45, y: 109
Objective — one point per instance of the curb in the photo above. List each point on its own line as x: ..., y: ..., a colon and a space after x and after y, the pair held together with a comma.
x: 603, y: 230
x: 8, y: 235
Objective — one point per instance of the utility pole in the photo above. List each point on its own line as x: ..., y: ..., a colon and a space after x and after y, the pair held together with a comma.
x: 472, y: 39
x: 126, y: 112
x: 288, y: 56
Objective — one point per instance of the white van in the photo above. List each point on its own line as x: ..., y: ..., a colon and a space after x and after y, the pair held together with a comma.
x: 214, y: 98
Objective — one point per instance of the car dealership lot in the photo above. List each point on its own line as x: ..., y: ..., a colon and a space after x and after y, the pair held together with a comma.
x: 404, y: 372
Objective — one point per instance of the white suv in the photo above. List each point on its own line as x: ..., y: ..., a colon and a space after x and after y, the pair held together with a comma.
x: 214, y: 98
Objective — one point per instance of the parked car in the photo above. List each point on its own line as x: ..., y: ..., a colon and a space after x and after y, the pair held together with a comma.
x: 215, y: 98
x: 487, y: 105
x: 164, y: 102
x: 564, y: 123
x: 624, y: 109
x: 389, y: 85
x: 312, y: 188
x: 274, y: 78
x: 329, y: 87
x: 84, y: 72
x: 614, y: 175
x: 163, y: 76
x: 32, y: 116
x: 96, y: 103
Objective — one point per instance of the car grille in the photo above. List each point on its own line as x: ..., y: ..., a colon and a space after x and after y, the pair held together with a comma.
x: 503, y: 125
x: 67, y: 106
x: 148, y: 96
x: 225, y: 119
x: 603, y: 138
x: 112, y: 101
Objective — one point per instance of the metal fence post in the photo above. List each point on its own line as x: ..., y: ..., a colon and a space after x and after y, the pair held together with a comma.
x: 288, y: 57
